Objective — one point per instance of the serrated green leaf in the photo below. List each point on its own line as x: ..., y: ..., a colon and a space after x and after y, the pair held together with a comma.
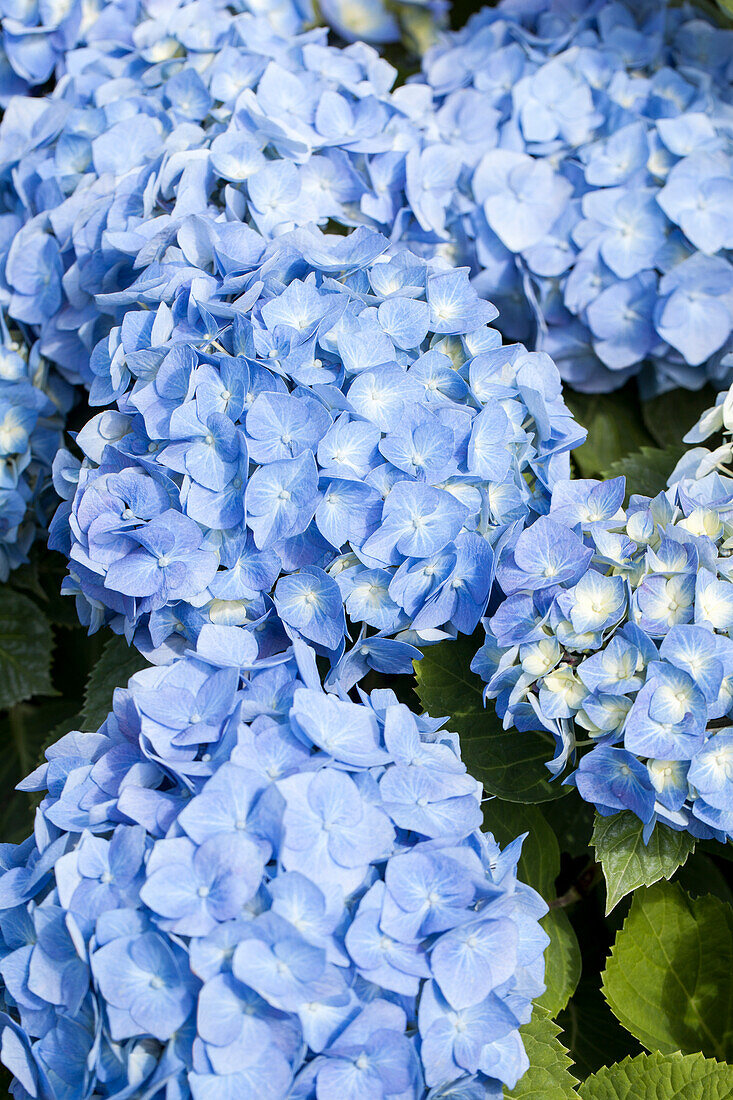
x: 670, y: 415
x: 113, y: 669
x: 548, y: 1076
x: 26, y: 644
x: 669, y: 978
x: 647, y: 470
x: 508, y: 763
x: 628, y: 862
x: 562, y: 962
x: 662, y: 1076
x: 614, y: 425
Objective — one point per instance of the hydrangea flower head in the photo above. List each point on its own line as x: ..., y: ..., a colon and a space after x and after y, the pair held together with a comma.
x: 592, y: 189
x: 165, y: 120
x: 241, y: 885
x: 337, y: 426
x: 193, y: 113
x: 616, y: 639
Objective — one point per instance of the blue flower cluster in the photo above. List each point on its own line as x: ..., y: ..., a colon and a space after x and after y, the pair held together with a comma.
x: 555, y: 153
x: 161, y: 116
x: 617, y: 628
x: 203, y: 113
x: 241, y: 886
x: 36, y: 37
x: 192, y: 110
x: 33, y: 40
x: 590, y: 182
x: 328, y: 425
x: 33, y: 404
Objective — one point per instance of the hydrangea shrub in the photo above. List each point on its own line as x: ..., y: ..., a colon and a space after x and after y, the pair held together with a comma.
x: 243, y: 886
x: 265, y: 259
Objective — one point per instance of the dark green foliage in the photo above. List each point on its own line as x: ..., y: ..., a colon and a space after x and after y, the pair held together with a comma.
x: 615, y: 428
x: 117, y: 663
x: 646, y: 471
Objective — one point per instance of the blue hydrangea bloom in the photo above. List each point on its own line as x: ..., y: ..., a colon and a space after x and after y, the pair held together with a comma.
x: 36, y: 38
x: 337, y: 427
x: 171, y: 118
x: 243, y: 886
x: 33, y: 405
x: 615, y: 638
x: 551, y: 148
x: 591, y: 191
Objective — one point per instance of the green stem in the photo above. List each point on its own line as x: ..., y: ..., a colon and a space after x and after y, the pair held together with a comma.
x: 16, y: 722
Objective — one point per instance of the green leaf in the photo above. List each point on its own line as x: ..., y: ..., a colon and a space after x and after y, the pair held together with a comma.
x: 614, y: 425
x: 591, y: 1031
x: 548, y: 1076
x: 628, y: 862
x: 572, y: 821
x: 647, y: 470
x: 26, y: 644
x: 419, y: 28
x: 664, y: 1077
x: 27, y: 579
x: 113, y: 669
x: 508, y: 763
x: 669, y: 416
x: 41, y: 578
x: 669, y: 978
x: 562, y: 962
